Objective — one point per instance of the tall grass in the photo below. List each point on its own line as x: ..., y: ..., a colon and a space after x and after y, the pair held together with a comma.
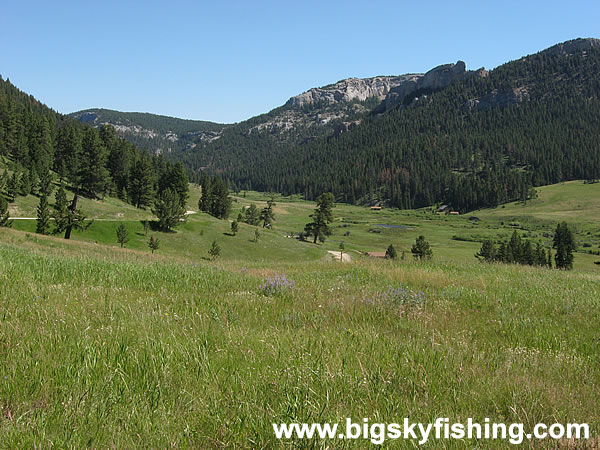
x: 102, y: 347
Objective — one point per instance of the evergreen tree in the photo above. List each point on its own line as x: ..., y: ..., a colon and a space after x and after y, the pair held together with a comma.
x: 214, y: 250
x: 391, y: 253
x: 13, y: 186
x: 267, y: 215
x: 322, y: 217
x: 141, y: 184
x: 153, y: 243
x: 43, y: 216
x: 168, y: 209
x: 421, y: 249
x: 564, y: 243
x: 342, y: 247
x: 75, y: 218
x: 4, y: 222
x: 252, y: 215
x: 61, y: 211
x: 256, y: 235
x: 122, y: 235
x: 234, y: 227
x: 487, y: 252
x: 94, y: 176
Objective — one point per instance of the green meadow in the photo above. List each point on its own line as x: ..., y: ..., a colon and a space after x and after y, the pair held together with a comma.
x: 107, y: 347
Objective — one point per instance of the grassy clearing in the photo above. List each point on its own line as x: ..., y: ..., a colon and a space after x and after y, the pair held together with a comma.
x: 104, y: 347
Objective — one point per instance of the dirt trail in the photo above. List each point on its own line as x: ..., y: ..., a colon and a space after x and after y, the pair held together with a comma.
x: 336, y: 255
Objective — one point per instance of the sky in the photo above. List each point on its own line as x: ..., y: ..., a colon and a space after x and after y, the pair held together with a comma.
x: 227, y: 61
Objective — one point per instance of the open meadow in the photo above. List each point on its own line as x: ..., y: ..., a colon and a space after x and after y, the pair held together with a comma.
x: 109, y: 347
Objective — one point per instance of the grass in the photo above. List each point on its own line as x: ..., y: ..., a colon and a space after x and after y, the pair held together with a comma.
x: 109, y: 347
x: 103, y: 347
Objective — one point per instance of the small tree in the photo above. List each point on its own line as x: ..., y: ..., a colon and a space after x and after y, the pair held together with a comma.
x: 256, y: 235
x: 43, y: 216
x: 564, y: 243
x: 153, y: 243
x: 487, y: 252
x: 122, y: 235
x: 214, y: 251
x: 61, y: 211
x: 267, y: 215
x: 390, y: 253
x: 342, y: 248
x: 234, y: 227
x: 322, y: 217
x: 146, y: 225
x: 4, y: 222
x: 168, y: 209
x: 421, y: 249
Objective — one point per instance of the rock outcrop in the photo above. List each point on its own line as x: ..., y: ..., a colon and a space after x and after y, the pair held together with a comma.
x: 350, y: 89
x: 390, y: 90
x: 498, y: 98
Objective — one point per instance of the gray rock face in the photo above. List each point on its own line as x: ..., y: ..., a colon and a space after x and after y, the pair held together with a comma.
x: 498, y: 98
x: 391, y: 90
x: 350, y: 89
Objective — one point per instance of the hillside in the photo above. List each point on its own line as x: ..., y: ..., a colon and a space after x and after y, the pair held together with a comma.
x: 104, y: 347
x: 323, y: 111
x: 481, y: 141
x: 159, y: 134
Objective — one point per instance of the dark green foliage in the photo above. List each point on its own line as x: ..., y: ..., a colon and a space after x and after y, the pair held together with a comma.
x: 516, y: 251
x: 61, y: 211
x: 252, y: 215
x: 4, y: 222
x: 153, y: 243
x: 214, y: 251
x: 146, y: 225
x: 564, y: 244
x: 321, y: 218
x: 487, y: 252
x: 92, y: 162
x: 93, y: 175
x: 141, y: 183
x: 234, y: 227
x: 391, y: 253
x: 454, y: 146
x: 267, y: 216
x: 215, y: 199
x: 168, y: 209
x: 75, y: 219
x: 421, y: 249
x: 43, y: 216
x: 122, y: 235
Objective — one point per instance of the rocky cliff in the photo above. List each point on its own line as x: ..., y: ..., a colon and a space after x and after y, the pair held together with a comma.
x: 391, y: 90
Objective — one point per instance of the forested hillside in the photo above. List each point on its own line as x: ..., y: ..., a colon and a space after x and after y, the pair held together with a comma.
x: 40, y: 148
x: 479, y: 142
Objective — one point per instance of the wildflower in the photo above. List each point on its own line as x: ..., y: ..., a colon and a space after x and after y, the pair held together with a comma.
x: 276, y: 285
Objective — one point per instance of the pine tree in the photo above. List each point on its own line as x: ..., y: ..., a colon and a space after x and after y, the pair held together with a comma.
x: 256, y: 235
x: 75, y: 218
x: 342, y: 247
x: 153, y: 243
x: 252, y: 215
x: 141, y: 184
x: 61, y: 211
x: 322, y: 217
x: 214, y: 250
x: 168, y: 209
x: 122, y: 235
x: 234, y: 227
x: 13, y: 186
x: 43, y: 216
x: 391, y: 253
x: 267, y: 215
x: 94, y: 176
x: 4, y: 222
x: 421, y: 249
x: 564, y: 243
x: 487, y: 251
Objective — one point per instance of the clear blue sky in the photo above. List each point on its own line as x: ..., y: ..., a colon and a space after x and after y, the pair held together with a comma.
x: 227, y: 61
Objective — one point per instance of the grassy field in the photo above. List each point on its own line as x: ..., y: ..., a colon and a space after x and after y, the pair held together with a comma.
x: 103, y: 347
x: 453, y: 238
x: 109, y: 347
